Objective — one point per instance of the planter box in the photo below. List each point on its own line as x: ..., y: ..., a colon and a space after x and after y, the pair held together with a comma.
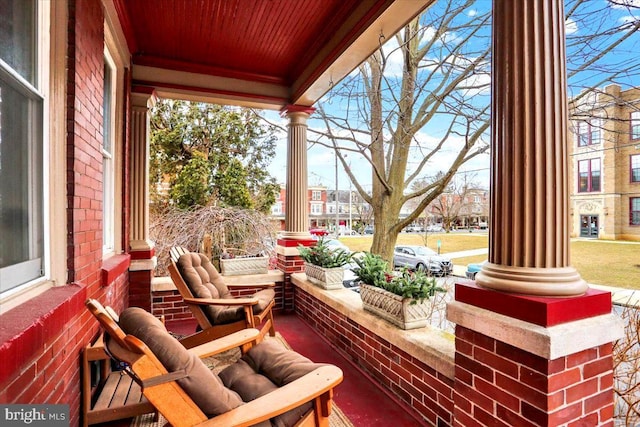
x: 242, y: 266
x: 325, y: 278
x: 393, y: 308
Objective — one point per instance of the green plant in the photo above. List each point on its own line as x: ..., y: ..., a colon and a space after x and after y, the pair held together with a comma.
x: 322, y: 255
x: 416, y: 285
x: 372, y: 269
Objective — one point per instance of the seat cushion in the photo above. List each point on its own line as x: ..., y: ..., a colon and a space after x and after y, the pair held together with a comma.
x: 266, y: 367
x: 265, y: 296
x: 203, y: 386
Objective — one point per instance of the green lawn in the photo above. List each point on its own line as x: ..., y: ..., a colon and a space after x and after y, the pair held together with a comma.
x: 600, y: 262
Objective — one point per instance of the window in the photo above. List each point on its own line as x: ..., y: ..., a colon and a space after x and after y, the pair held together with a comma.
x: 634, y: 211
x: 588, y: 175
x: 635, y: 168
x: 108, y: 172
x: 21, y: 147
x: 635, y: 125
x: 316, y: 195
x: 588, y: 133
x: 276, y: 209
x: 316, y: 208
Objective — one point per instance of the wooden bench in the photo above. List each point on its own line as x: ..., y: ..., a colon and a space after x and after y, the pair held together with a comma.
x: 116, y: 396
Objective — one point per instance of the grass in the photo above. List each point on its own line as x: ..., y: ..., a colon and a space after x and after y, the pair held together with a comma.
x: 600, y: 262
x: 449, y: 242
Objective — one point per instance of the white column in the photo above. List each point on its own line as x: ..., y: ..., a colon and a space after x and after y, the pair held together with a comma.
x: 141, y: 102
x: 296, y: 205
x: 529, y: 234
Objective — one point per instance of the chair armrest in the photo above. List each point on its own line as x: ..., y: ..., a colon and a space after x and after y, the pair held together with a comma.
x: 225, y: 343
x: 279, y: 401
x: 229, y: 301
x: 251, y: 286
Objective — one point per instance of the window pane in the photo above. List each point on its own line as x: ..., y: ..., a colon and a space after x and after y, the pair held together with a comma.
x: 634, y: 215
x: 635, y: 168
x: 21, y: 205
x: 635, y: 125
x: 17, y: 35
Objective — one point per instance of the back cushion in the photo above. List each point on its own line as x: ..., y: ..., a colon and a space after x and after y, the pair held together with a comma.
x: 264, y: 368
x: 205, y: 282
x: 203, y: 386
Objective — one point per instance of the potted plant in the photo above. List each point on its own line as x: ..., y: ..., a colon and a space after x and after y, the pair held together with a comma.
x: 324, y: 265
x: 232, y: 264
x: 398, y: 297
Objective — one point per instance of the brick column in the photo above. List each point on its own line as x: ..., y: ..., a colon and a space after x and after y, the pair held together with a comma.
x: 540, y: 362
x: 142, y: 249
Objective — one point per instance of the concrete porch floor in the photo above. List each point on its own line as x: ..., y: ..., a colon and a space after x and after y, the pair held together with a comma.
x: 359, y: 397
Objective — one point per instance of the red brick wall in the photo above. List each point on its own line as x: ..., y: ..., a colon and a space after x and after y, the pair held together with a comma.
x: 426, y: 392
x: 171, y: 305
x: 500, y: 385
x: 84, y: 141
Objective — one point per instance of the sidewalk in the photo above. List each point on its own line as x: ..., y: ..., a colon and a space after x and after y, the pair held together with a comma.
x: 459, y: 270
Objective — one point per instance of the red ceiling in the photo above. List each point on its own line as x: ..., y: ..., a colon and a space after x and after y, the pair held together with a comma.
x: 270, y: 40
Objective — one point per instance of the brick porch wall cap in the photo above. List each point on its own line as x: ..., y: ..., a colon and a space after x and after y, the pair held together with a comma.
x: 166, y: 284
x: 550, y: 343
x: 431, y: 346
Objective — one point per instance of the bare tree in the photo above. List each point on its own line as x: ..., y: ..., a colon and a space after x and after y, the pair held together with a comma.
x: 420, y: 103
x: 433, y: 70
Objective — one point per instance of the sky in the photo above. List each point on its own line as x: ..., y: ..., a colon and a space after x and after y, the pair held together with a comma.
x: 321, y: 161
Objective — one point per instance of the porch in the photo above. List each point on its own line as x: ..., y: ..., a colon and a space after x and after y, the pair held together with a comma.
x: 514, y: 359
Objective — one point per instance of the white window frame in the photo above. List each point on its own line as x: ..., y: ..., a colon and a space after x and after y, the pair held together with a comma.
x: 316, y: 208
x: 115, y: 55
x: 108, y: 156
x: 51, y: 45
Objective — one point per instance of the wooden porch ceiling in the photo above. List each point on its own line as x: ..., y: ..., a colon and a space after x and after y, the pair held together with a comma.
x: 265, y: 53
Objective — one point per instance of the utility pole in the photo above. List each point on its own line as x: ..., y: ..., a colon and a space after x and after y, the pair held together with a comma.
x: 336, y: 199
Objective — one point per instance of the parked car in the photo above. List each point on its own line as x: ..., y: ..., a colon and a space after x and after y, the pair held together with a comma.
x: 336, y: 244
x: 415, y: 229
x: 319, y: 231
x: 368, y: 229
x: 472, y: 270
x: 348, y: 232
x: 435, y: 228
x: 421, y: 257
x: 350, y: 276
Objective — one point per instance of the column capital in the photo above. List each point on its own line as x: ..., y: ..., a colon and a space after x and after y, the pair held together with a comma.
x: 293, y: 108
x: 143, y: 96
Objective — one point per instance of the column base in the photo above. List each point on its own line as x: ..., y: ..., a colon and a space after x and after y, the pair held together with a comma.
x: 296, y: 235
x: 551, y: 282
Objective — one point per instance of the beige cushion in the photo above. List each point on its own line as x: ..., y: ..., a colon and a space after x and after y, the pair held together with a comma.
x: 262, y: 369
x: 266, y: 367
x: 203, y: 386
x: 205, y: 282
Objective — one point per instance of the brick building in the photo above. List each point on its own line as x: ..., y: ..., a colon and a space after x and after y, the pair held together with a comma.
x: 604, y: 177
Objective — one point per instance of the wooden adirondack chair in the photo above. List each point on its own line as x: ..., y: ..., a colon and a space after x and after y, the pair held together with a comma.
x: 189, y: 270
x: 183, y: 390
